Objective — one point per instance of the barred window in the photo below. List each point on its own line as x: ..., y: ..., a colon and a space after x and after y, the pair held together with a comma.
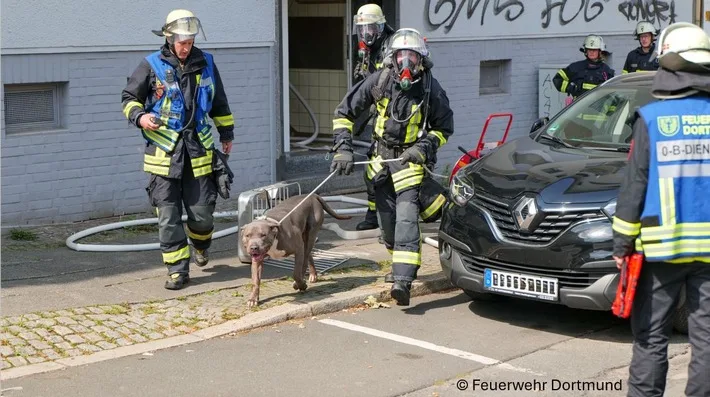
x: 33, y: 107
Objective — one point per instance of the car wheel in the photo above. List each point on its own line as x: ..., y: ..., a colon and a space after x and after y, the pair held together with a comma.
x: 680, y: 319
x: 481, y: 296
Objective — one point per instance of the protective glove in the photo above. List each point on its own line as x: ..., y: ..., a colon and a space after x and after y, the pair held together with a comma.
x: 223, y: 185
x: 573, y: 89
x: 416, y: 154
x: 342, y: 162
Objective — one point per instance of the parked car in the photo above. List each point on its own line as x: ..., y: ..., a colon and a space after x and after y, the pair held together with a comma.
x: 532, y: 219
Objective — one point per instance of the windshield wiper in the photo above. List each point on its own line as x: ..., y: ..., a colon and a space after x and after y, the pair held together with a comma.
x: 622, y: 149
x: 556, y: 140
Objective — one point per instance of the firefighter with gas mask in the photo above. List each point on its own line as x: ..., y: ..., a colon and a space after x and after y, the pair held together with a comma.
x: 642, y: 58
x: 662, y: 212
x: 373, y: 35
x: 582, y: 76
x: 171, y: 96
x: 413, y: 121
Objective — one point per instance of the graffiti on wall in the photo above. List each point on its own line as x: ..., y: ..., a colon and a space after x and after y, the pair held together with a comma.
x: 489, y: 18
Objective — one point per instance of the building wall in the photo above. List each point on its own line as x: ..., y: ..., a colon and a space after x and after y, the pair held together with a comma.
x: 92, y: 166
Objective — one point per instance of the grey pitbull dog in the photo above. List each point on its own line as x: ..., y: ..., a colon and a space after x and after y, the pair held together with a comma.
x: 295, y: 235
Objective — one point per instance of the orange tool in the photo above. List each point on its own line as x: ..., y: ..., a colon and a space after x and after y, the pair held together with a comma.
x: 626, y: 289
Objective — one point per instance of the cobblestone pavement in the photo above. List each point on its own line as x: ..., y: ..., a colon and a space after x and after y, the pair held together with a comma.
x: 48, y: 336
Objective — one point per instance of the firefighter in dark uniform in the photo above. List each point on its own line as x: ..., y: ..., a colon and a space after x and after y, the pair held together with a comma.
x: 642, y: 58
x: 169, y: 97
x: 662, y: 211
x: 373, y: 35
x: 413, y: 121
x: 582, y: 76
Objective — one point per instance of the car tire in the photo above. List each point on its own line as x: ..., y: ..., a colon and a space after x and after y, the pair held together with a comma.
x: 680, y: 319
x: 481, y: 296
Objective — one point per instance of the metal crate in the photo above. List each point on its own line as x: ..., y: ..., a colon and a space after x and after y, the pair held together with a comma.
x: 253, y: 203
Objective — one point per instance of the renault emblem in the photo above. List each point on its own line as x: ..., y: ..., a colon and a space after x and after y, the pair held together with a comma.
x: 524, y: 213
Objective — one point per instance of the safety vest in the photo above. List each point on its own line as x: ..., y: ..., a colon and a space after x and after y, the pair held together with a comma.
x: 675, y: 223
x: 171, y: 105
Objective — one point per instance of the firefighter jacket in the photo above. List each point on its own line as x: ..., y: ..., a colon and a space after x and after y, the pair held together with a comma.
x: 182, y: 97
x: 662, y: 205
x: 374, y: 56
x: 581, y: 76
x: 639, y: 61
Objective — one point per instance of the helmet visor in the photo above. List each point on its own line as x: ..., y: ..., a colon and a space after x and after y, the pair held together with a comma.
x: 183, y: 29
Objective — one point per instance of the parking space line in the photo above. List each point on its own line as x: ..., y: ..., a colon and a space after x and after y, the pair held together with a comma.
x: 427, y: 345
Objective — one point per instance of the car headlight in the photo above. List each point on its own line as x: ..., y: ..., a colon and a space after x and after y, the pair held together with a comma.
x: 610, y: 208
x: 461, y: 192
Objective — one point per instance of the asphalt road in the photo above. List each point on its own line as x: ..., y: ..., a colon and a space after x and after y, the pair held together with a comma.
x: 441, y: 343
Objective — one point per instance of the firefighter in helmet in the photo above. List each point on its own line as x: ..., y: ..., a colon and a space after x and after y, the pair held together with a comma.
x: 373, y: 33
x: 643, y: 58
x: 412, y: 122
x: 582, y: 76
x: 170, y: 97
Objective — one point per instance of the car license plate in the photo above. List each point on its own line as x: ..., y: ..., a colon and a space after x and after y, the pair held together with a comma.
x: 536, y: 287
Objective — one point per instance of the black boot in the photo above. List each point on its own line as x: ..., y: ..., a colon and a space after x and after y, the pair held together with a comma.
x: 177, y: 281
x: 370, y: 221
x: 400, y: 292
x: 389, y: 278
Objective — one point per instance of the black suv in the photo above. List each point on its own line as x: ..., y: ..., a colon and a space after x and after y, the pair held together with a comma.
x: 532, y: 219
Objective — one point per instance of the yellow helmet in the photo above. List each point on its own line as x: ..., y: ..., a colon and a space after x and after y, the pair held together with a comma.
x: 180, y: 25
x: 369, y: 23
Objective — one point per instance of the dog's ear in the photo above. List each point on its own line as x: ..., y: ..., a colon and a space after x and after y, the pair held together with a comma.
x: 274, y: 229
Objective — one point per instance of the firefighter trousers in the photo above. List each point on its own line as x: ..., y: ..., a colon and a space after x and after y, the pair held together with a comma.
x: 198, y: 196
x: 397, y: 201
x: 657, y: 296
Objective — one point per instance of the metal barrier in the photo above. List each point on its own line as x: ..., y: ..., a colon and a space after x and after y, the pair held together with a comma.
x: 253, y: 203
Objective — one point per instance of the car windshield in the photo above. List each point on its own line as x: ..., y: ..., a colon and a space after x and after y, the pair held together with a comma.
x: 602, y: 119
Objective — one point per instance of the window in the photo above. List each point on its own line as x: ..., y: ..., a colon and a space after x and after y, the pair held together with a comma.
x: 494, y: 77
x: 34, y: 107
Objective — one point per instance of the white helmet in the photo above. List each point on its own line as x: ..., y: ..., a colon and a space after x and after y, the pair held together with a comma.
x: 684, y: 46
x: 180, y: 25
x: 592, y: 42
x: 369, y: 23
x: 645, y: 27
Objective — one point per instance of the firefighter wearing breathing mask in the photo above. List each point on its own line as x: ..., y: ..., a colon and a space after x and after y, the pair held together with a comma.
x: 582, y: 76
x: 170, y: 97
x: 413, y: 121
x: 373, y: 36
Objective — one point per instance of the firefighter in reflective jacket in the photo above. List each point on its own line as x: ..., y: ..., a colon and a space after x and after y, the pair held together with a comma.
x: 582, y: 76
x: 642, y: 58
x: 413, y: 121
x: 373, y: 36
x: 169, y: 97
x: 663, y: 212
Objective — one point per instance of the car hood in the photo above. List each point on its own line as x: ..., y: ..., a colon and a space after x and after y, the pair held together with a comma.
x: 558, y: 174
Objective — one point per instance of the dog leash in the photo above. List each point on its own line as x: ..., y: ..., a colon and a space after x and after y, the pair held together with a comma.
x: 326, y: 180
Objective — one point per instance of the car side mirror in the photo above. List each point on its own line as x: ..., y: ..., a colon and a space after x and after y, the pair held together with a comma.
x: 539, y: 123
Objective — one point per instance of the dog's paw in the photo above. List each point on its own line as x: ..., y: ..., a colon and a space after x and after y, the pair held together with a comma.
x: 300, y: 286
x: 253, y: 301
x: 312, y: 278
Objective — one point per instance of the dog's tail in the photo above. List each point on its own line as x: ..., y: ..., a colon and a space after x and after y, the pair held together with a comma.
x: 330, y: 211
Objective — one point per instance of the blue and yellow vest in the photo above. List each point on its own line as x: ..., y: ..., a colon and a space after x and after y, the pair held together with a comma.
x: 675, y: 223
x: 170, y: 106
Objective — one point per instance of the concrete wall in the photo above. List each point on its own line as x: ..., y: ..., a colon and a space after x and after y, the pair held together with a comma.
x: 92, y: 166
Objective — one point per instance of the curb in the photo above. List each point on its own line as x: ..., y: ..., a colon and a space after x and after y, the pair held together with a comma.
x: 427, y: 284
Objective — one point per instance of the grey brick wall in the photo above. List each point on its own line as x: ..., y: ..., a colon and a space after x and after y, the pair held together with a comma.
x: 457, y: 69
x: 93, y: 168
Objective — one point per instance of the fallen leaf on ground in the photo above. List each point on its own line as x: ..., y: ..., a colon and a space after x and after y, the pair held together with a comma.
x: 372, y: 302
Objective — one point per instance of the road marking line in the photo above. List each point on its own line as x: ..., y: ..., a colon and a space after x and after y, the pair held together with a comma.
x: 427, y: 345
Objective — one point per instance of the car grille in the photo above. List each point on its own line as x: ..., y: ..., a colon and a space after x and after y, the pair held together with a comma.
x: 566, y: 278
x: 550, y: 227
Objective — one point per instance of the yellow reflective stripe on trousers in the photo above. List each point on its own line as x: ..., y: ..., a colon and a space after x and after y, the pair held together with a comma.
x: 565, y: 80
x: 677, y: 247
x: 406, y: 257
x: 202, y: 165
x: 626, y: 228
x: 175, y: 256
x: 198, y: 236
x: 129, y: 106
x: 342, y: 123
x: 677, y: 230
x: 381, y: 116
x: 667, y: 193
x: 371, y: 205
x: 223, y: 121
x: 434, y: 207
x: 439, y: 135
x: 374, y: 167
x: 408, y: 177
x: 413, y: 125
